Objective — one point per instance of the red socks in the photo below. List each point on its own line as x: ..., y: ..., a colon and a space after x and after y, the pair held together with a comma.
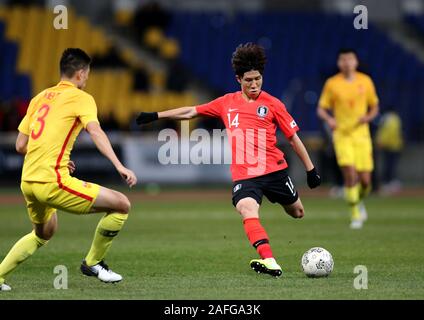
x: 258, y: 237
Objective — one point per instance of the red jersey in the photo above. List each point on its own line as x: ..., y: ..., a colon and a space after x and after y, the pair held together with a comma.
x: 251, y: 129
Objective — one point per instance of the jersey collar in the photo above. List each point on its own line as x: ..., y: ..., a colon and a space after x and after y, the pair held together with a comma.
x: 355, y: 77
x: 66, y: 83
x: 256, y: 100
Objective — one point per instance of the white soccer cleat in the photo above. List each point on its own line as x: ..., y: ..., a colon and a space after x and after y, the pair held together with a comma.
x: 363, y: 211
x: 101, y: 271
x: 356, y: 224
x: 5, y: 287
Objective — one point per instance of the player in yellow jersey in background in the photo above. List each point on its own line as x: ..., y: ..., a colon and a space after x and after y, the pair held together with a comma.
x: 389, y: 141
x: 347, y: 104
x: 46, y: 137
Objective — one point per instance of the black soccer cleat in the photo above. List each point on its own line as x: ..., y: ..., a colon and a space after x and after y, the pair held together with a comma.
x: 268, y: 266
x: 100, y: 271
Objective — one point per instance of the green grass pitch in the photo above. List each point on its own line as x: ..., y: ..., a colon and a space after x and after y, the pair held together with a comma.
x: 195, y: 248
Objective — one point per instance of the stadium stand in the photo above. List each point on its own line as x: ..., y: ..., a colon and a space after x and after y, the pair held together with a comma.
x: 31, y: 50
x: 300, y: 63
x: 203, y: 43
x: 416, y: 21
x: 12, y: 83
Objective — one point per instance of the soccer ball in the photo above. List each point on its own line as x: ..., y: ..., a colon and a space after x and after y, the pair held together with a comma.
x: 317, y: 262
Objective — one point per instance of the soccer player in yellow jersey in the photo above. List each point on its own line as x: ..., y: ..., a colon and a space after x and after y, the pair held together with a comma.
x: 347, y: 104
x: 46, y: 137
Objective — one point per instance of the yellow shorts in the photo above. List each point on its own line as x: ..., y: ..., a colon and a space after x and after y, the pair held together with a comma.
x: 354, y: 151
x: 73, y: 195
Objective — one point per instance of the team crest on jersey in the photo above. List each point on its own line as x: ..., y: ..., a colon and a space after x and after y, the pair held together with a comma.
x: 262, y: 111
x: 237, y: 188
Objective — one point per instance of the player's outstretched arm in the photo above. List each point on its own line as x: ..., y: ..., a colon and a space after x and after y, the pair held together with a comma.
x: 102, y: 143
x: 21, y: 143
x: 183, y: 113
x: 313, y: 178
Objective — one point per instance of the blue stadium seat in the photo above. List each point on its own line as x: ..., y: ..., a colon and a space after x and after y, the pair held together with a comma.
x: 22, y: 86
x: 8, y: 58
x: 300, y: 46
x: 11, y: 84
x: 2, y: 28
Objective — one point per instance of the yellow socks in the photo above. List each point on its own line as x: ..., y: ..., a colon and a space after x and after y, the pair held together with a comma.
x: 352, y: 198
x: 21, y: 251
x: 106, y: 230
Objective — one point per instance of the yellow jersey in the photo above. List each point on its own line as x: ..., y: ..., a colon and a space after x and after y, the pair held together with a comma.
x: 349, y: 101
x: 389, y: 134
x: 53, y: 121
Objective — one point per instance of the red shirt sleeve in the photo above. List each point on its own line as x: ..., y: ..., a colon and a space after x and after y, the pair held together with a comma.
x: 212, y: 109
x: 284, y: 120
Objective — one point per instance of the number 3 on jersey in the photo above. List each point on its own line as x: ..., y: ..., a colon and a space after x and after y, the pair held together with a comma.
x: 235, y: 121
x: 42, y: 112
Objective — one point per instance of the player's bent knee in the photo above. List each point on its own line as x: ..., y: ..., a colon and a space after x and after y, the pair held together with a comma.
x: 124, y: 204
x: 247, y: 208
x: 111, y: 201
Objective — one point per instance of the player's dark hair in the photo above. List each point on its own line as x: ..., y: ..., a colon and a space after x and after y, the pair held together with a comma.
x: 248, y: 57
x: 73, y: 59
x: 347, y: 50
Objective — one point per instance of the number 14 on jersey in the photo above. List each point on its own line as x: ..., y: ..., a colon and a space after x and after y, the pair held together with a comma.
x: 234, y: 122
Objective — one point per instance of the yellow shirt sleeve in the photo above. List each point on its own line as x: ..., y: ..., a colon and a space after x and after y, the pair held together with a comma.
x: 325, y: 99
x: 24, y: 126
x: 87, y: 110
x: 372, y: 98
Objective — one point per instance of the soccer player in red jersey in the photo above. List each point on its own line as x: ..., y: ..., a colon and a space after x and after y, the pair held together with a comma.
x: 258, y: 168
